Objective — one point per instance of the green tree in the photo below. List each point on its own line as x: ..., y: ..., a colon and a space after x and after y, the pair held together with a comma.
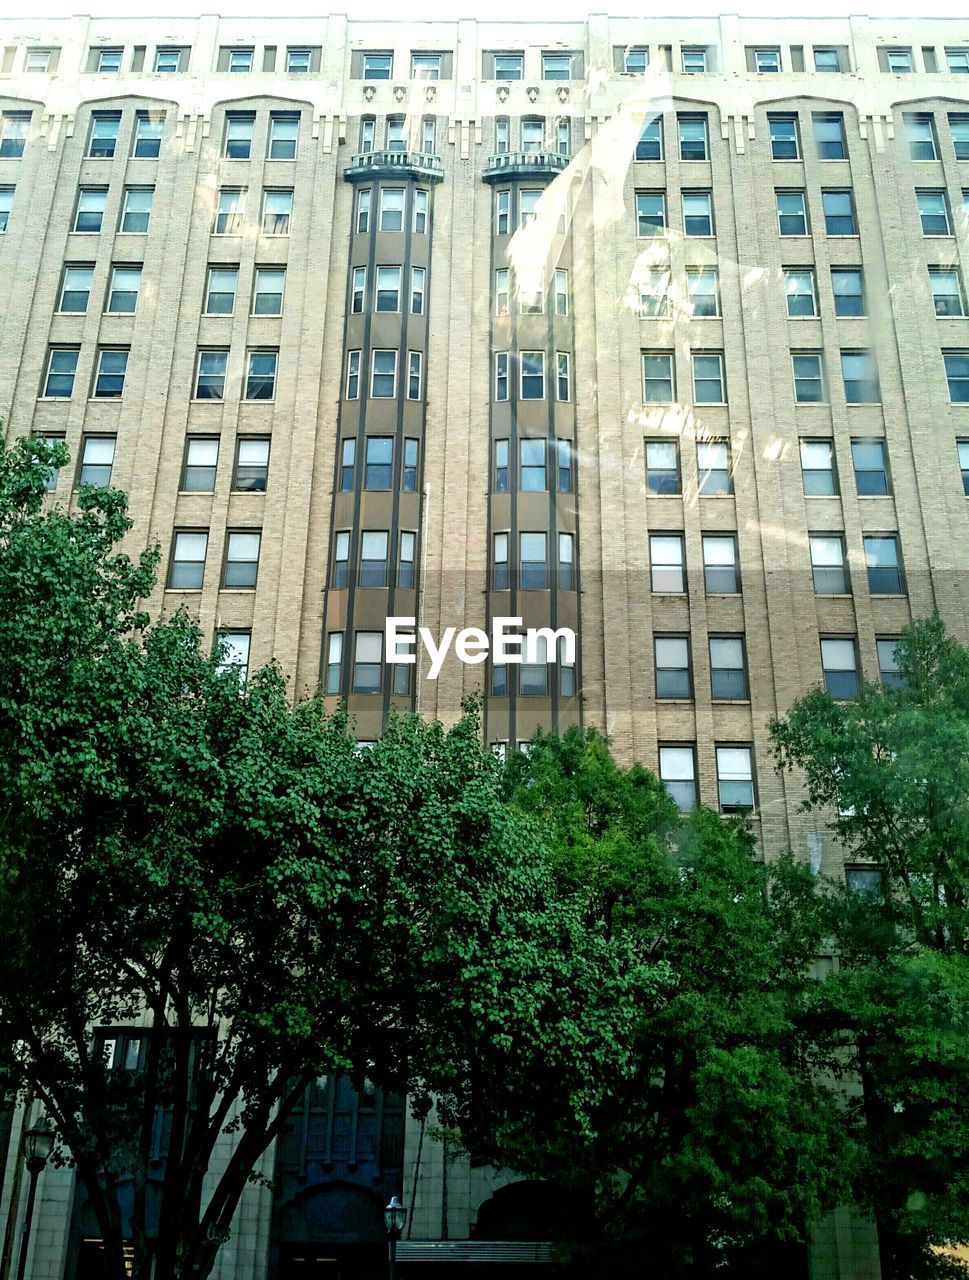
x: 890, y: 770
x: 723, y: 1142
x: 205, y: 859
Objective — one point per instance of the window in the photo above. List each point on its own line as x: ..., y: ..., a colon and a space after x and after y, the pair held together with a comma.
x: 887, y: 651
x: 277, y: 210
x: 650, y: 213
x: 635, y: 60
x: 97, y: 460
x: 231, y: 211
x: 708, y: 385
x: 103, y: 137
x: 533, y: 676
x: 298, y: 61
x: 561, y: 292
x: 702, y: 290
x: 235, y: 654
x: 378, y: 66
x: 123, y: 289
x: 187, y: 567
x: 501, y: 375
x: 959, y: 131
x: 839, y: 213
x: 839, y: 662
x: 6, y: 204
x: 201, y: 460
x: 532, y: 469
x: 828, y: 567
x: 564, y: 466
x: 563, y: 378
x: 420, y: 212
x: 396, y: 141
x: 414, y: 366
x: 500, y: 482
x: 409, y: 476
x: 933, y: 207
x: 791, y: 213
x: 556, y: 66
x: 267, y: 291
x: 111, y: 369
x: 136, y: 210
x: 697, y: 213
x: 379, y: 464
x: 500, y: 579
x: 677, y: 771
x: 283, y: 135
x: 528, y: 202
x: 252, y: 465
x: 920, y: 133
x: 692, y: 132
x: 767, y: 61
x: 817, y: 468
x: 800, y: 292
x: 784, y: 141
x: 899, y: 61
x: 367, y: 654
x: 884, y: 565
x: 238, y: 136
x: 417, y: 275
x: 405, y: 563
x: 334, y: 661
x: 148, y: 136
x: 567, y: 562
x: 860, y: 377
x: 848, y: 288
x: 672, y: 656
x: 866, y: 883
x: 662, y: 467
x: 383, y: 375
x: 210, y: 379
x: 728, y: 668
x: 808, y: 377
x: 563, y: 136
x: 509, y: 66
x: 53, y: 473
x: 654, y: 300
x: 348, y: 455
x: 89, y: 213
x: 713, y: 466
x: 827, y: 60
x: 425, y: 66
x: 735, y: 779
x: 13, y: 134
x: 532, y: 369
x: 502, y: 212
x: 241, y: 559
x: 358, y: 289
x: 957, y: 375
x: 168, y: 61
x: 829, y: 136
x: 566, y: 672
x: 428, y: 136
x: 667, y: 574
x: 650, y: 144
x: 368, y: 127
x: 946, y: 291
x: 387, y: 292
x: 721, y: 573
x: 109, y: 61
x: 533, y: 574
x: 373, y: 558
x: 533, y: 136
x: 391, y: 209
x: 61, y: 369
x: 341, y: 560
x: 75, y: 289
x: 958, y: 61
x: 240, y: 61
x: 694, y: 61
x: 658, y: 385
x: 962, y: 448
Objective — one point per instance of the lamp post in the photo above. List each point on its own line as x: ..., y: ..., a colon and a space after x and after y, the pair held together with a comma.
x: 38, y: 1144
x: 395, y: 1215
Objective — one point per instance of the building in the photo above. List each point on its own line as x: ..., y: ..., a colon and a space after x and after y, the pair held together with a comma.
x: 651, y: 328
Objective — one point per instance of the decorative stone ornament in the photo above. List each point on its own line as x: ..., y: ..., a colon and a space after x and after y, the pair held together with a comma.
x: 430, y: 93
x: 502, y: 93
x: 368, y: 91
x: 400, y: 93
x: 532, y: 93
x: 563, y: 93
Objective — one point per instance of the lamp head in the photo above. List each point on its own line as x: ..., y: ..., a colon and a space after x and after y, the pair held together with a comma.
x: 395, y: 1215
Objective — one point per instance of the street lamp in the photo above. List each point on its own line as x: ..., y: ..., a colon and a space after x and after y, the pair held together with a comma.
x: 395, y: 1215
x: 38, y: 1144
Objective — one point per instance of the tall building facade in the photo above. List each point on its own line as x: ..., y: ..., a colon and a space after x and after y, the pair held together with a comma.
x: 654, y: 329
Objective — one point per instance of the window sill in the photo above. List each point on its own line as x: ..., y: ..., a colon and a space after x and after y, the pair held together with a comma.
x: 182, y: 591
x: 730, y: 702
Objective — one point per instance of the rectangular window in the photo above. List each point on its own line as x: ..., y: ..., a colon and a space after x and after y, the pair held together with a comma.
x: 899, y: 61
x: 75, y: 289
x: 267, y: 291
x: 531, y: 290
x: 532, y: 370
x: 509, y: 66
x: 373, y: 558
x: 298, y: 61
x: 500, y: 482
x: 946, y: 287
x: 721, y: 572
x: 415, y: 362
x: 53, y: 473
x: 839, y: 213
x: 201, y: 460
x: 187, y: 568
x: 38, y: 60
x: 728, y: 668
x: 887, y: 651
x: 61, y: 370
x: 89, y: 211
x: 959, y: 132
x: 650, y: 213
x: 672, y: 659
x: 650, y: 144
x: 168, y: 61
x: 839, y: 662
x: 391, y: 209
x: 735, y: 779
x: 533, y: 676
x: 817, y: 468
x: 210, y: 378
x: 417, y: 275
x: 962, y: 448
x: 383, y: 375
x: 502, y: 212
x: 692, y: 131
x: 378, y: 66
x: 957, y: 375
x: 230, y: 213
x: 808, y: 377
x: 136, y: 210
x: 368, y: 130
x: 767, y: 61
x: 933, y: 207
x: 829, y: 136
x: 501, y: 375
x: 667, y: 574
x: 532, y: 465
x: 261, y: 375
x: 252, y: 464
x: 662, y: 467
x: 697, y: 213
x: 566, y: 672
x: 533, y: 574
x: 421, y: 204
x: 341, y: 560
x: 387, y: 292
x: 501, y: 291
x: 566, y: 562
x: 409, y: 474
x: 694, y: 61
x: 658, y: 384
x: 713, y: 467
x: 884, y: 565
x: 112, y: 367
x: 367, y: 658
x: 379, y: 464
x: 14, y: 127
x: 528, y: 202
x: 563, y: 376
x: 563, y: 136
x: 283, y: 136
x: 920, y: 134
x: 635, y: 60
x: 108, y: 61
x: 500, y: 577
x: 425, y: 66
x: 556, y: 66
x: 6, y: 204
x: 502, y: 135
x: 828, y: 568
x: 363, y: 210
x: 800, y: 292
x: 860, y: 377
x: 405, y: 561
x: 241, y: 559
x: 148, y: 135
x: 533, y: 136
x: 847, y: 285
x: 677, y: 771
x: 235, y: 654
x: 654, y: 297
x: 703, y: 292
x: 957, y: 61
x: 103, y: 138
x: 791, y: 213
x: 238, y: 136
x: 358, y: 289
x: 785, y: 144
x: 124, y: 289
x: 348, y: 456
x: 827, y: 60
x: 239, y: 61
x: 871, y: 467
x: 708, y: 383
x: 97, y: 460
x: 396, y: 141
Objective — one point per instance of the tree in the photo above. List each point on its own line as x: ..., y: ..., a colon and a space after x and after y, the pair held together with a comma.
x: 197, y: 856
x: 890, y: 769
x: 723, y: 1140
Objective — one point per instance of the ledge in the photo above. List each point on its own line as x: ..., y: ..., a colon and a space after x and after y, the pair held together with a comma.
x: 524, y: 164
x: 394, y: 164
